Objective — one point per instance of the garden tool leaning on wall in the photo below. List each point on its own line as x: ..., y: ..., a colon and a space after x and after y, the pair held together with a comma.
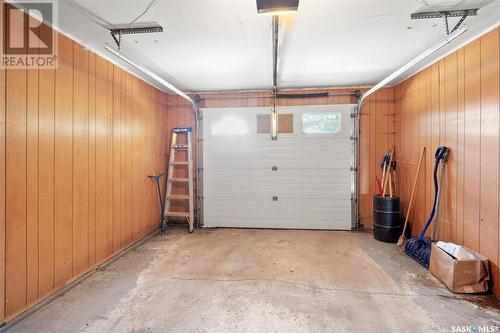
x: 419, y: 248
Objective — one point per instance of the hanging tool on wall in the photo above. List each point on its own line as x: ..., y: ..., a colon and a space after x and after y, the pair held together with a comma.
x: 419, y: 248
x: 383, y: 165
x: 385, y: 181
x: 441, y: 188
x: 158, y: 189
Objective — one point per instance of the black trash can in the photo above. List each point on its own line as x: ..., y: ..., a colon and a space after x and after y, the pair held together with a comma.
x: 387, y: 223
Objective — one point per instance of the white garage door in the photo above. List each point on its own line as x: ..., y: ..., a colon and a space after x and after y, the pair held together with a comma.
x: 302, y: 180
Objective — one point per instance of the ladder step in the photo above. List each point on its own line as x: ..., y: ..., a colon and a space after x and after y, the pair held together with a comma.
x: 179, y: 163
x: 180, y: 147
x: 178, y: 196
x: 178, y: 180
x: 182, y: 129
x: 178, y: 214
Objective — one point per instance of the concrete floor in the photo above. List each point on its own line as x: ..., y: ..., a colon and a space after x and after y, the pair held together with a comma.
x: 219, y: 280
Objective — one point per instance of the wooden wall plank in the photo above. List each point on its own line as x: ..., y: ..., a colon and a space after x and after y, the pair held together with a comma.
x: 490, y: 121
x: 15, y: 184
x: 32, y: 185
x: 92, y: 160
x: 2, y: 174
x: 116, y: 158
x: 129, y: 160
x: 46, y: 187
x: 472, y: 103
x: 64, y: 163
x: 101, y: 158
x: 123, y: 171
x: 460, y: 148
x: 110, y: 154
x: 450, y: 140
x: 80, y: 159
x: 137, y: 160
x: 443, y: 212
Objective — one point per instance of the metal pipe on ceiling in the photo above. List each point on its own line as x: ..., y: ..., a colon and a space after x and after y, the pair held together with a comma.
x: 152, y: 75
x: 415, y: 61
x: 275, y: 50
x: 279, y: 95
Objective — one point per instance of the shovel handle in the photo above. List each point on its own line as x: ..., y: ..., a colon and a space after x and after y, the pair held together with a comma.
x: 401, y: 238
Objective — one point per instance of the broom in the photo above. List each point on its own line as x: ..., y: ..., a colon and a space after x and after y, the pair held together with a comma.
x: 401, y: 238
x: 419, y: 248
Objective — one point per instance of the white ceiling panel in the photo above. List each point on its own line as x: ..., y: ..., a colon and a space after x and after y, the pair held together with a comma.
x: 225, y: 45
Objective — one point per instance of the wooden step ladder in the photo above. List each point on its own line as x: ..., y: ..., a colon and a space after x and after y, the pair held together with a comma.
x: 173, y: 165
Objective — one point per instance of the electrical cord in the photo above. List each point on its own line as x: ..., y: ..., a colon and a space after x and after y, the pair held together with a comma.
x: 144, y: 12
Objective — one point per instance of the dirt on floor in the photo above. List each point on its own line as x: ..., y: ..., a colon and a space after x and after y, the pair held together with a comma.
x: 247, y: 280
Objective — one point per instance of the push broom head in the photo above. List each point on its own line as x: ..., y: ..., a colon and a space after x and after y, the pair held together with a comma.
x: 419, y: 249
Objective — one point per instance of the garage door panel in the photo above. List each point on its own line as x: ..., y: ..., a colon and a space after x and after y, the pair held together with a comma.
x: 281, y: 172
x: 280, y: 223
x: 244, y: 181
x: 255, y: 209
x: 342, y: 164
x: 312, y: 182
x: 266, y: 189
x: 289, y: 204
x: 270, y: 192
x: 280, y: 148
x: 283, y: 156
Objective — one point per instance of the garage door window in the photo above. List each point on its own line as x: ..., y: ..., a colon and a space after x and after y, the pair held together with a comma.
x: 322, y: 123
x: 230, y: 125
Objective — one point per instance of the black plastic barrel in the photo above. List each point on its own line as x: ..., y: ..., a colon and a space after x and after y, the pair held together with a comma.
x: 387, y: 223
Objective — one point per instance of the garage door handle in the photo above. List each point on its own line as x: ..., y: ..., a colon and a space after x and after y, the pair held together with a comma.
x: 275, y: 198
x: 275, y: 168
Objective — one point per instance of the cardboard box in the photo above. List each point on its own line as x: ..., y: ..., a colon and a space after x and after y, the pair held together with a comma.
x: 463, y: 272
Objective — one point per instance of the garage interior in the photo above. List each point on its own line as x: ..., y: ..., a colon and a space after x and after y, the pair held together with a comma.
x: 213, y: 166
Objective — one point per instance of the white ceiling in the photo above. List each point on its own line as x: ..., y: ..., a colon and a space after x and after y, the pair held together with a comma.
x: 224, y: 45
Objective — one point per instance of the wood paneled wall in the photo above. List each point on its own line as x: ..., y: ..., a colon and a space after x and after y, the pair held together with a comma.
x: 455, y: 102
x: 76, y: 146
x: 377, y: 127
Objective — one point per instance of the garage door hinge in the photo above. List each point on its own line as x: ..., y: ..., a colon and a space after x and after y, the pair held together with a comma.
x: 200, y: 140
x: 199, y: 169
x: 354, y: 115
x: 354, y: 169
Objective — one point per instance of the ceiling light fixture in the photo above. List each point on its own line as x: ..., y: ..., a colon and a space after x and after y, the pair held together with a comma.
x: 277, y: 7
